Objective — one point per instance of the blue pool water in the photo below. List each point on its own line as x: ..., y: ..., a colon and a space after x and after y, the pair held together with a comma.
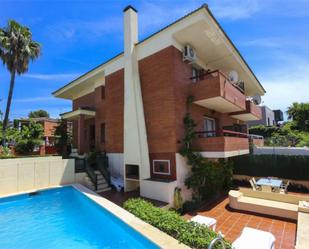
x: 63, y: 218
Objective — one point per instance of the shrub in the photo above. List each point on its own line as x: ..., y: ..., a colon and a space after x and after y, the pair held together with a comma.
x: 28, y: 138
x: 262, y: 130
x: 190, y: 233
x: 5, y: 152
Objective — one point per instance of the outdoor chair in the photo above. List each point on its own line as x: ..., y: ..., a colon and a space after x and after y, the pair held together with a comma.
x: 254, y: 239
x: 284, y: 187
x: 254, y: 186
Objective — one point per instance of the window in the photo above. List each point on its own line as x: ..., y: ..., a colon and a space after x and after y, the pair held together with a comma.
x: 209, y: 127
x: 102, y: 92
x: 161, y: 167
x: 268, y: 122
x: 102, y: 133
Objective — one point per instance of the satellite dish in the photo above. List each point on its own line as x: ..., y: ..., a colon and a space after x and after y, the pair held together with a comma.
x: 233, y: 76
x: 257, y: 99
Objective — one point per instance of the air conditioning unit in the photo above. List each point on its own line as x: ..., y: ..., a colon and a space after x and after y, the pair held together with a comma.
x: 189, y: 54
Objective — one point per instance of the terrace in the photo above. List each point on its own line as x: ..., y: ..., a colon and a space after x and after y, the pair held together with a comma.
x: 231, y: 223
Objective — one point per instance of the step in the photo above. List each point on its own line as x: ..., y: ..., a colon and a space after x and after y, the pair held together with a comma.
x: 102, y: 185
x: 103, y: 190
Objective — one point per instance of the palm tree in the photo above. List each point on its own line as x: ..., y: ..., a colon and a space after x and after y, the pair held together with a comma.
x: 16, y: 50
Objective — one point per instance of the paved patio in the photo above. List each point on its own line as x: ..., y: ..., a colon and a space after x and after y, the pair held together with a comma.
x: 231, y: 223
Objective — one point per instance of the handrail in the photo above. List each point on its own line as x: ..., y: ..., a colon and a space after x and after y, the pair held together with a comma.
x: 91, y: 174
x: 236, y: 133
x: 225, y: 133
x: 254, y: 136
x: 208, y: 73
x: 215, y: 240
x: 102, y: 164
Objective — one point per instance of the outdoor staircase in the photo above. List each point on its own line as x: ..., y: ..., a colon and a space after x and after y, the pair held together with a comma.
x: 102, y: 184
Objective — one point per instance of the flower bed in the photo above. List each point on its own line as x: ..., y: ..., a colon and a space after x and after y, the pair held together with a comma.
x: 190, y: 233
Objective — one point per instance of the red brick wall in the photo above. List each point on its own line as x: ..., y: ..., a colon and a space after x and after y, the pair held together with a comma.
x: 165, y: 81
x: 114, y: 113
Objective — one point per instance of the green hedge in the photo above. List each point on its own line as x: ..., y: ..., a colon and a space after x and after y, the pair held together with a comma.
x: 170, y: 222
x: 289, y: 167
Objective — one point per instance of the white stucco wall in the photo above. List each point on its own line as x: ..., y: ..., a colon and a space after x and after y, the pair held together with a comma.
x: 116, y: 164
x: 183, y: 171
x: 23, y: 174
x: 161, y: 191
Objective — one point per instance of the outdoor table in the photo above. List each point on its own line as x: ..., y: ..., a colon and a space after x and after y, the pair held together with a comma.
x: 270, y: 183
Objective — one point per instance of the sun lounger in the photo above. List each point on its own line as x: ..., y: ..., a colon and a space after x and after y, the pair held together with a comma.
x: 254, y: 239
x: 208, y: 221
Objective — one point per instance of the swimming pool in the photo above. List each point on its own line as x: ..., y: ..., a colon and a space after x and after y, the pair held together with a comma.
x: 63, y: 218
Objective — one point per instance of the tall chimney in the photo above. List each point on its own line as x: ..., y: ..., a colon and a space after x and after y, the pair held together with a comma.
x: 135, y: 145
x: 130, y: 29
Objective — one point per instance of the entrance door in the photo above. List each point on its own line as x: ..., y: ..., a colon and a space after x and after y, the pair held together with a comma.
x: 91, y: 137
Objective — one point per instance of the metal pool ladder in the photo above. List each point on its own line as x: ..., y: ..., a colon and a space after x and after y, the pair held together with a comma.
x: 215, y: 240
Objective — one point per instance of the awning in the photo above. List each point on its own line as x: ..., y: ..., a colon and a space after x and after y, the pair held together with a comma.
x: 77, y: 113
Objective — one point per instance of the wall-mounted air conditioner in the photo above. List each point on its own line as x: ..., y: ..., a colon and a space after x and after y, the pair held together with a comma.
x: 189, y: 54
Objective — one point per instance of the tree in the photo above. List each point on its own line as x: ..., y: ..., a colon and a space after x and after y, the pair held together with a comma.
x: 38, y: 114
x: 299, y: 113
x: 63, y: 138
x: 29, y: 137
x: 16, y: 50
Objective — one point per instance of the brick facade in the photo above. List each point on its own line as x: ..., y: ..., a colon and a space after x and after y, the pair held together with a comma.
x: 165, y: 85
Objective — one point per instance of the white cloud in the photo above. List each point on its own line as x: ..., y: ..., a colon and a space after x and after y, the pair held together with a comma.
x: 286, y: 83
x: 234, y: 10
x: 55, y: 77
x: 34, y: 99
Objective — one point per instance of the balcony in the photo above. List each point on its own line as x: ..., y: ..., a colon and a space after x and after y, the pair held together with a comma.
x: 214, y: 91
x: 252, y: 112
x: 227, y: 144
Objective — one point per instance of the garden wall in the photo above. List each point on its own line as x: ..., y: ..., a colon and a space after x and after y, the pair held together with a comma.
x: 24, y: 174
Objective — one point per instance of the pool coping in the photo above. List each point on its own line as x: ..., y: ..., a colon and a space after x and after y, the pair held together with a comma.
x: 153, y: 234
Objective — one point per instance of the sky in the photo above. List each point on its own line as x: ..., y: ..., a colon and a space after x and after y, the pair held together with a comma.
x: 76, y: 36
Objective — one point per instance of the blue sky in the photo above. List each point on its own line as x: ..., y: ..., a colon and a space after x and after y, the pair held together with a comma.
x: 76, y: 36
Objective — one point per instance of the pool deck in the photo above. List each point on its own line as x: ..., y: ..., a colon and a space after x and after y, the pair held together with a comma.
x: 231, y: 223
x: 161, y: 239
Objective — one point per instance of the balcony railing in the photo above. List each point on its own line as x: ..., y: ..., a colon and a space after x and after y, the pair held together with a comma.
x: 221, y: 141
x: 213, y: 90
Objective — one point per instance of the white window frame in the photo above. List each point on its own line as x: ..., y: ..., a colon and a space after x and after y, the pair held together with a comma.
x: 161, y: 173
x: 215, y: 126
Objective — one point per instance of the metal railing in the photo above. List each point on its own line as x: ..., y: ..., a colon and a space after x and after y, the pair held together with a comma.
x: 92, y: 175
x: 102, y: 164
x: 224, y: 133
x: 207, y: 74
x: 217, y: 239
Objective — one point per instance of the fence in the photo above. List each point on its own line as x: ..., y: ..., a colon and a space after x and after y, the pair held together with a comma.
x: 282, y: 166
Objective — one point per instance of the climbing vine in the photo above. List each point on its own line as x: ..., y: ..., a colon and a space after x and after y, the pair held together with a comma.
x: 207, y: 177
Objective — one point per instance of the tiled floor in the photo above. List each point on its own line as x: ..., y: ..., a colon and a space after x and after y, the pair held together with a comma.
x: 231, y: 223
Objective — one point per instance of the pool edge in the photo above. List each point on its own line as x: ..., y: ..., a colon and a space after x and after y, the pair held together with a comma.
x: 153, y: 234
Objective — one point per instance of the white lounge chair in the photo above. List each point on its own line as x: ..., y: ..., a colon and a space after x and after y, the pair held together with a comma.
x: 254, y: 186
x: 251, y: 238
x: 203, y: 220
x: 284, y: 188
